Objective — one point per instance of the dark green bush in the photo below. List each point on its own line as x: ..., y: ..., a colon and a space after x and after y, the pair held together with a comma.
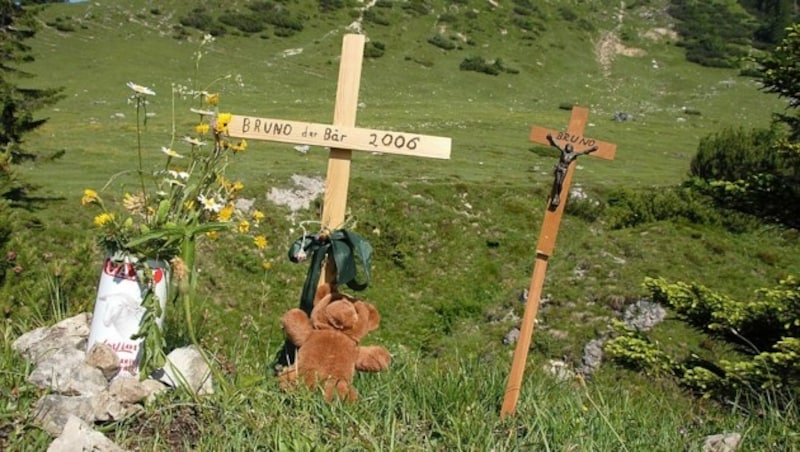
x: 376, y: 18
x: 441, y: 42
x: 567, y: 13
x: 330, y: 5
x: 374, y: 49
x: 478, y: 64
x: 284, y: 19
x: 632, y: 207
x: 198, y: 19
x: 284, y: 32
x: 417, y: 7
x: 247, y: 23
x: 260, y: 6
x: 448, y: 18
x: 733, y: 154
x: 714, y: 33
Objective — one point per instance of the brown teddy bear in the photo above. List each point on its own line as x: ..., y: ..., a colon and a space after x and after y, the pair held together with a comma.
x: 328, y: 351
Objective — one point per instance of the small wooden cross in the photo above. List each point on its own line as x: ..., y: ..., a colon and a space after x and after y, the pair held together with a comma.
x: 547, y: 238
x: 341, y: 137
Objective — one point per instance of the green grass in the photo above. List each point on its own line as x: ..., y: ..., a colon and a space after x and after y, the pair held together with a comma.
x: 454, y: 240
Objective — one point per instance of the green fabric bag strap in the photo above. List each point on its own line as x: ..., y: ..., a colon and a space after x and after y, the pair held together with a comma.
x: 344, y: 247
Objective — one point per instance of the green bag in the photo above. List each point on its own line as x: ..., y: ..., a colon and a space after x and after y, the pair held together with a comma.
x: 345, y: 247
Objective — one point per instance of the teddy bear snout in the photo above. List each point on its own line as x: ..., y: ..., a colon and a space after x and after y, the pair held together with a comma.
x: 342, y: 315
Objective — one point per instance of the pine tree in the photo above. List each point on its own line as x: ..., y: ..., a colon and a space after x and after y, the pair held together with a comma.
x: 17, y: 104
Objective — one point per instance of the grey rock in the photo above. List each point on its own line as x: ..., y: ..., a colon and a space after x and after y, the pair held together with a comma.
x: 560, y: 370
x: 71, y: 332
x: 153, y: 387
x: 105, y: 407
x: 128, y: 390
x: 644, y: 315
x: 104, y: 358
x: 512, y: 336
x: 52, y: 412
x: 723, y: 442
x: 244, y: 205
x: 65, y: 371
x: 78, y: 435
x: 187, y: 367
x: 592, y: 357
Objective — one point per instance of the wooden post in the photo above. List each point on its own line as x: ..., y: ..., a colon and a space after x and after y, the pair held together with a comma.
x: 547, y: 241
x: 341, y: 137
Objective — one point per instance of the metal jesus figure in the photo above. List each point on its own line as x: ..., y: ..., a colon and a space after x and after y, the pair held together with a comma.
x: 568, y: 155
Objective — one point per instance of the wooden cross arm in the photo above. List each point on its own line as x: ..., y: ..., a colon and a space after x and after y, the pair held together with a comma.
x: 604, y: 150
x: 339, y: 137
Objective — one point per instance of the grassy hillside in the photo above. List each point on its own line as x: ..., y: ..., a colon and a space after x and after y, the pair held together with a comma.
x: 454, y: 240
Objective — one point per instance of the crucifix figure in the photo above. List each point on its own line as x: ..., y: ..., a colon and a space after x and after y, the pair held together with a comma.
x: 341, y: 137
x: 568, y: 155
x: 547, y: 237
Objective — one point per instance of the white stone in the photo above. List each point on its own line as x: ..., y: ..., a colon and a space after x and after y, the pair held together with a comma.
x: 723, y: 442
x: 65, y: 371
x: 43, y: 341
x: 77, y: 435
x: 187, y: 367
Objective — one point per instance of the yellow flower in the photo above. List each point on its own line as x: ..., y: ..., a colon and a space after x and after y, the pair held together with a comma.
x: 212, y: 98
x: 266, y: 265
x: 258, y: 216
x: 226, y: 213
x: 237, y: 186
x: 89, y: 196
x: 260, y: 242
x: 244, y: 226
x: 241, y: 146
x: 221, y: 122
x: 103, y: 219
x: 202, y: 129
x: 212, y: 235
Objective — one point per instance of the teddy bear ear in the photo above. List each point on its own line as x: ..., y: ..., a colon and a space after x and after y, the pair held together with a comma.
x: 323, y: 291
x: 370, y: 313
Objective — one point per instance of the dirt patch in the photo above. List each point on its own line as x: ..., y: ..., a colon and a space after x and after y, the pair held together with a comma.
x: 658, y: 34
x: 608, y: 47
x: 177, y: 426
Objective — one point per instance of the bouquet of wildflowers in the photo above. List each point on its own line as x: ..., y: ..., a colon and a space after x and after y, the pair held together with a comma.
x: 173, y: 206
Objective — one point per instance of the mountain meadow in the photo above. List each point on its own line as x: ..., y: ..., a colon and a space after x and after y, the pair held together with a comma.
x: 454, y: 240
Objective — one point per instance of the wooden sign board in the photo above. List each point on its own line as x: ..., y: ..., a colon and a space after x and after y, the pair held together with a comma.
x: 341, y: 137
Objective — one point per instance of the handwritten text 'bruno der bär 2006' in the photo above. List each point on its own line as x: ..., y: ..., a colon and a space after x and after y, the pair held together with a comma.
x: 337, y: 136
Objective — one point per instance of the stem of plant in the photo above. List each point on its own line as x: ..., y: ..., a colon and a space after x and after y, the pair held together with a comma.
x: 188, y: 253
x: 139, y: 101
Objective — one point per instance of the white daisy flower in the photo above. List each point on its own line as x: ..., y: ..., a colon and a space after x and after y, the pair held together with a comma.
x: 178, y: 175
x: 139, y: 89
x: 210, y: 204
x: 170, y: 152
x: 194, y: 141
x: 202, y: 112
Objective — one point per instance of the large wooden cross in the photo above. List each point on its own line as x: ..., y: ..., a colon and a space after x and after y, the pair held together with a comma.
x: 341, y: 137
x: 547, y: 237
